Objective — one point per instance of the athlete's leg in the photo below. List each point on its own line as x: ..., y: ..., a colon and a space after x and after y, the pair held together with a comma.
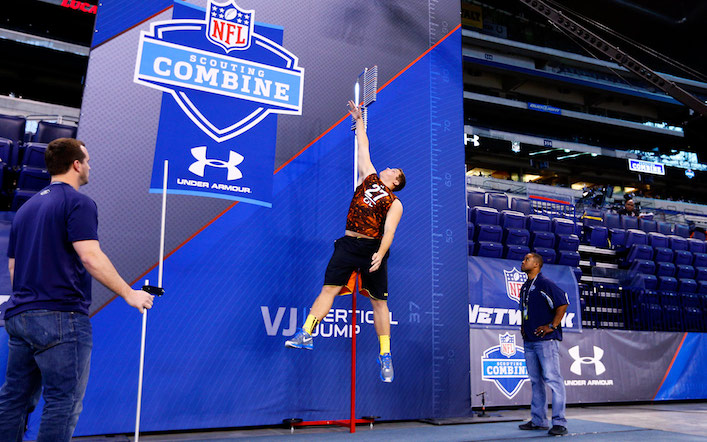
x: 321, y: 306
x: 381, y: 317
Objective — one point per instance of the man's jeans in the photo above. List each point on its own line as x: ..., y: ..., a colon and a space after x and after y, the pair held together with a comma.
x: 542, y: 358
x: 52, y: 350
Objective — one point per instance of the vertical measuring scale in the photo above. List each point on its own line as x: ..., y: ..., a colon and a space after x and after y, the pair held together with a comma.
x: 447, y: 212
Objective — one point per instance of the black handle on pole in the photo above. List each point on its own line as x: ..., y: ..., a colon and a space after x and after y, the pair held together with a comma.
x: 153, y: 290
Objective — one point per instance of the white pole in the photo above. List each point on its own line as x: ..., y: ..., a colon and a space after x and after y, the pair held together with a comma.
x: 144, y: 313
x: 357, y: 92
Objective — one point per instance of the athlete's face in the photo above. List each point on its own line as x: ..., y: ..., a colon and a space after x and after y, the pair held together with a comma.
x: 84, y: 168
x: 390, y: 174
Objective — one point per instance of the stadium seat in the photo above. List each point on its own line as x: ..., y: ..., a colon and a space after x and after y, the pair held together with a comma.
x: 663, y: 254
x: 5, y: 151
x: 672, y: 314
x: 701, y: 273
x: 693, y: 315
x: 647, y: 225
x: 690, y: 299
x: 683, y: 257
x: 33, y: 179
x: 577, y: 273
x: 702, y: 289
x: 568, y: 258
x: 542, y: 239
x: 12, y: 129
x: 639, y: 251
x: 667, y: 284
x: 515, y: 252
x: 548, y: 255
x: 498, y: 201
x: 642, y: 266
x: 19, y: 198
x: 644, y: 281
x: 538, y: 223
x: 677, y: 242
x: 578, y: 227
x: 685, y: 271
x: 475, y: 198
x: 698, y: 234
x: 568, y: 243
x: 635, y: 236
x: 484, y: 215
x: 562, y: 226
x: 488, y: 233
x: 470, y: 229
x: 521, y: 205
x: 47, y: 132
x: 699, y: 259
x: 665, y: 269
x: 512, y: 220
x: 488, y: 249
x: 687, y: 285
x: 617, y: 235
x: 598, y: 236
x: 665, y: 228
x: 592, y: 217
x: 34, y: 156
x: 681, y: 230
x: 656, y: 239
x: 518, y: 237
x: 629, y: 222
x: 696, y: 245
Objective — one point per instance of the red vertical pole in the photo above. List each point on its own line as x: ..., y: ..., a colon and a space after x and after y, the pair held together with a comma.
x: 352, y: 421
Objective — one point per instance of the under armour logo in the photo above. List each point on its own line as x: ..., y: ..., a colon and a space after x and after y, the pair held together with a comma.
x: 234, y: 159
x: 576, y: 366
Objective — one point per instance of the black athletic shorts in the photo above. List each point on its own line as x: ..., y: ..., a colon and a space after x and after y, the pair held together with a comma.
x: 351, y: 255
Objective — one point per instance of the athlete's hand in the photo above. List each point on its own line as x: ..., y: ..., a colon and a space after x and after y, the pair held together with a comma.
x: 376, y: 262
x: 354, y: 110
x: 139, y: 299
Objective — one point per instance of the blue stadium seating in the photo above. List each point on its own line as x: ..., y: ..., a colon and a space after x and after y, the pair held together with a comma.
x: 677, y: 242
x: 34, y: 155
x: 33, y: 179
x: 617, y: 235
x: 685, y: 271
x: 699, y: 259
x: 521, y: 205
x: 683, y: 257
x: 47, y: 132
x: 647, y: 225
x: 597, y: 236
x: 681, y: 230
x: 488, y: 233
x: 629, y: 222
x: 696, y: 245
x: 687, y: 285
x: 635, y: 236
x: 568, y: 258
x: 484, y: 215
x: 577, y: 273
x: 702, y: 289
x: 568, y: 243
x: 519, y: 237
x: 644, y: 266
x: 667, y: 284
x: 6, y: 148
x: 665, y: 269
x: 488, y: 249
x: 639, y: 251
x: 665, y: 228
x: 698, y: 234
x: 701, y: 273
x: 656, y: 239
x: 644, y: 281
x: 512, y: 220
x: 470, y: 246
x: 474, y: 198
x: 538, y: 223
x: 592, y: 217
x: 470, y: 229
x: 542, y: 239
x: 562, y: 226
x: 549, y: 255
x: 498, y: 201
x: 663, y: 254
x: 12, y: 130
x: 515, y: 252
x: 693, y: 316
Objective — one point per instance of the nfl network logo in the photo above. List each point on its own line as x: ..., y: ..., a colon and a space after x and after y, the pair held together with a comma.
x: 514, y: 281
x: 504, y: 365
x: 229, y: 26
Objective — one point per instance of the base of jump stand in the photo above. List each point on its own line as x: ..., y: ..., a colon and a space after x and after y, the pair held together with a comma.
x: 296, y: 422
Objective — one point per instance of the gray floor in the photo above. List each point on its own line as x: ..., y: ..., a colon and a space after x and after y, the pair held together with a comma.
x: 655, y: 422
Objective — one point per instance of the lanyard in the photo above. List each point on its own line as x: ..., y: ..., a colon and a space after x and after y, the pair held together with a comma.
x: 526, y: 296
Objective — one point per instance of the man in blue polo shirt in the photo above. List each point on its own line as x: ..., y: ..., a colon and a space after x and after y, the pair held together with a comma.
x: 53, y: 252
x: 542, y: 306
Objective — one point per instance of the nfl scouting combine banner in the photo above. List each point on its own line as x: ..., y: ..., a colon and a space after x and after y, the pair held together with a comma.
x: 494, y: 293
x: 598, y: 365
x: 225, y: 78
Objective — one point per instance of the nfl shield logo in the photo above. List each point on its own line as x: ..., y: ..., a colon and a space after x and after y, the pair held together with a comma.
x: 514, y: 281
x: 229, y: 26
x: 508, y: 344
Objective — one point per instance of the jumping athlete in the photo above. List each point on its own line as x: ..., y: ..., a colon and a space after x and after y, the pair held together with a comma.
x: 363, y: 251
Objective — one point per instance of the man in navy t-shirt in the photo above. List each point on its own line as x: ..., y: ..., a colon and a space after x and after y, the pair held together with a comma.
x: 543, y: 304
x: 53, y: 252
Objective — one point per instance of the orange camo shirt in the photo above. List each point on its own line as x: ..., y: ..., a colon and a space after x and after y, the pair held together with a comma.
x: 369, y: 207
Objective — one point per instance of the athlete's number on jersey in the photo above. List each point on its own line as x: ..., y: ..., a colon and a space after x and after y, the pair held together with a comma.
x: 373, y: 194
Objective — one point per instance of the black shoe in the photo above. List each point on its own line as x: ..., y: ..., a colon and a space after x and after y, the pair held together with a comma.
x: 531, y: 426
x: 557, y: 430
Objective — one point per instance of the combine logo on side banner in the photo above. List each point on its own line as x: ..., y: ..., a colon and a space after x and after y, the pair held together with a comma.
x: 504, y: 365
x: 514, y: 281
x: 225, y: 57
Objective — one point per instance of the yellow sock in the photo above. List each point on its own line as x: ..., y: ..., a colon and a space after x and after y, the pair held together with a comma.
x: 310, y: 324
x: 385, y: 343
